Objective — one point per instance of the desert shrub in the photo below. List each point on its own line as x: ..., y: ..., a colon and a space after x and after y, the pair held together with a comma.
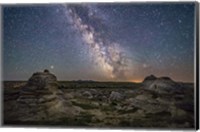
x: 132, y: 123
x: 183, y: 119
x: 85, y: 105
x: 128, y: 111
x: 81, y: 120
x: 73, y: 122
x: 155, y: 95
x: 124, y: 123
x: 114, y: 103
x: 107, y: 108
x: 158, y: 116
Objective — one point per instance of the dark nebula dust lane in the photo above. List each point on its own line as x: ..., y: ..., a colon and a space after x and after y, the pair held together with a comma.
x: 103, y: 42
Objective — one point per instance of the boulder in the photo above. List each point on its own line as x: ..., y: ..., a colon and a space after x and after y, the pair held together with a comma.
x: 93, y: 91
x: 87, y: 94
x: 115, y: 96
x: 100, y: 96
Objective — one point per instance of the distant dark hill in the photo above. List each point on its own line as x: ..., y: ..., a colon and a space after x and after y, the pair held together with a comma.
x: 84, y: 81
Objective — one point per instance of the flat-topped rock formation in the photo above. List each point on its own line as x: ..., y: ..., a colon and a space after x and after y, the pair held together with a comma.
x: 41, y: 87
x: 40, y: 99
x: 161, y: 84
x: 42, y: 80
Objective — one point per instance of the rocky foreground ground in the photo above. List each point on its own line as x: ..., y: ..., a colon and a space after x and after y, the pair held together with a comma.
x: 155, y: 103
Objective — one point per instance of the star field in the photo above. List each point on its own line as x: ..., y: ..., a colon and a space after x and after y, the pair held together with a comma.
x: 104, y: 42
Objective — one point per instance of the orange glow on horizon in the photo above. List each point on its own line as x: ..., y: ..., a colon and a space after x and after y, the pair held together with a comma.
x: 136, y: 80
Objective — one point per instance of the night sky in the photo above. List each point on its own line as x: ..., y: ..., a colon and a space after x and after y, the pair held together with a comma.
x: 103, y: 42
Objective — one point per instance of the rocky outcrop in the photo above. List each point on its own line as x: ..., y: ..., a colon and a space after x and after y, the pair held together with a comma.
x: 161, y: 85
x: 149, y: 80
x: 41, y: 87
x: 115, y: 96
x: 40, y: 99
x: 87, y: 94
x: 146, y: 103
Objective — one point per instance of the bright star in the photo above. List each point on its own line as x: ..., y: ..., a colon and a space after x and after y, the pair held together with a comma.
x: 52, y: 67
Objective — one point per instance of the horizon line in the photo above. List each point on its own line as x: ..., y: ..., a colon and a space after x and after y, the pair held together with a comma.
x: 99, y: 81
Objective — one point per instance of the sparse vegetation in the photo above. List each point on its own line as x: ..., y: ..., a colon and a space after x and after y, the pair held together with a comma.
x: 128, y: 111
x: 84, y: 105
x: 82, y: 120
x: 100, y: 85
x: 99, y: 110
